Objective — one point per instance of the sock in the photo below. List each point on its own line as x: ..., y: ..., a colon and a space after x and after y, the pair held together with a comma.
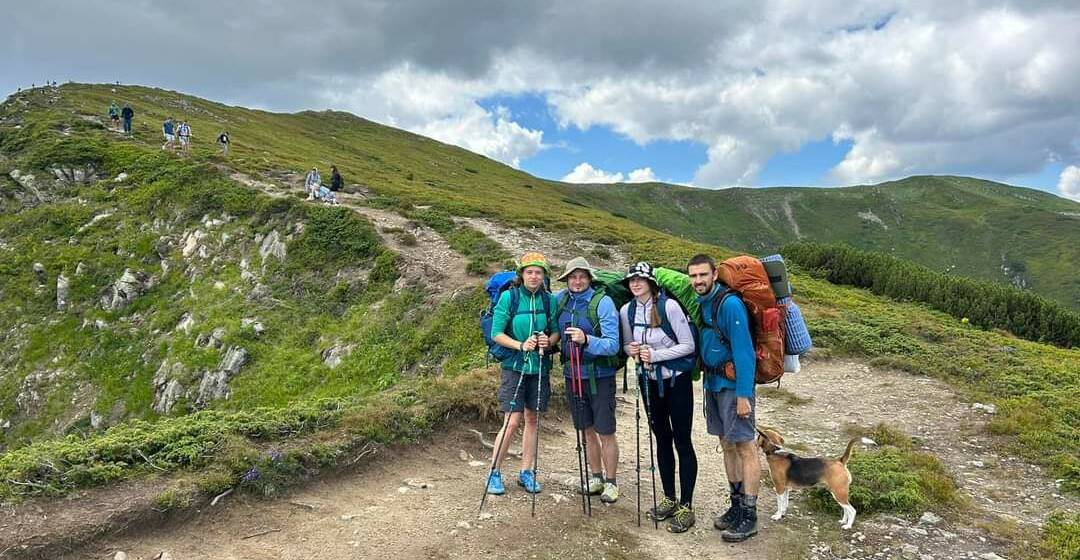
x: 750, y: 501
x: 599, y: 475
x: 736, y: 488
x: 611, y: 481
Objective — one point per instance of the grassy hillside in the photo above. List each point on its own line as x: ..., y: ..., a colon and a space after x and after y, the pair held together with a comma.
x: 333, y: 287
x: 961, y: 225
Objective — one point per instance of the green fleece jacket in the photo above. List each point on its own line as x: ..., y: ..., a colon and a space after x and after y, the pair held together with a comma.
x: 529, y: 318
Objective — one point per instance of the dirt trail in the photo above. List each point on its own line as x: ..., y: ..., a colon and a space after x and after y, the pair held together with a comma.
x: 421, y: 501
x: 426, y: 257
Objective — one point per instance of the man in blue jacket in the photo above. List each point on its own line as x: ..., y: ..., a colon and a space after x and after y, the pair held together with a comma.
x: 729, y: 405
x: 589, y: 322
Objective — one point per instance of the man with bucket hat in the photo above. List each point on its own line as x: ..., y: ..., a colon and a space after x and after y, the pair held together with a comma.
x: 589, y: 324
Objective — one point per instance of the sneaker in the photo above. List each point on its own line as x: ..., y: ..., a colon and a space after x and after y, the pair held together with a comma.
x: 595, y: 486
x: 663, y: 510
x: 745, y: 528
x: 730, y: 517
x: 527, y: 480
x: 495, y: 484
x: 611, y: 493
x: 683, y: 519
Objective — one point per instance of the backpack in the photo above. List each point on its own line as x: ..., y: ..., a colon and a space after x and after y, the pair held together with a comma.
x: 746, y: 279
x: 495, y: 286
x: 676, y: 285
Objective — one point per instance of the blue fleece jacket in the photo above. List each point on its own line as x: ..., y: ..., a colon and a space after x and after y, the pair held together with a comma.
x: 576, y: 314
x: 734, y: 323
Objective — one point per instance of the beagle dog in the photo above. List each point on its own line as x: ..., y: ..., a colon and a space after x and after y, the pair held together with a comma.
x: 788, y: 469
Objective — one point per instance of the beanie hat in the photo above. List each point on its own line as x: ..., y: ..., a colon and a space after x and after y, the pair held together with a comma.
x: 533, y: 258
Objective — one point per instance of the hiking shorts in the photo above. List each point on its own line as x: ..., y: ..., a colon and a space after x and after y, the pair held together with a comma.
x: 526, y: 394
x: 594, y: 411
x: 722, y: 420
x: 169, y: 137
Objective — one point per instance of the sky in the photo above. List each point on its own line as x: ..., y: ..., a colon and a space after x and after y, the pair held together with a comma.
x: 711, y: 93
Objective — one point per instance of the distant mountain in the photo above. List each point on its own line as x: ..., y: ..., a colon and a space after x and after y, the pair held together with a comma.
x: 978, y: 228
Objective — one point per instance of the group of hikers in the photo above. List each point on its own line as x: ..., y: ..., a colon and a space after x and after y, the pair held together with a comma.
x: 177, y: 135
x: 581, y: 323
x: 318, y: 191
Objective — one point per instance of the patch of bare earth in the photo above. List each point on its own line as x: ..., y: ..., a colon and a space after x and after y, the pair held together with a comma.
x: 421, y: 501
x: 559, y: 247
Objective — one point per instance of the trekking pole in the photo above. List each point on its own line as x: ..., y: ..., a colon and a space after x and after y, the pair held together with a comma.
x: 584, y: 438
x: 649, y: 417
x: 536, y: 445
x: 637, y: 422
x: 572, y: 390
x: 499, y: 443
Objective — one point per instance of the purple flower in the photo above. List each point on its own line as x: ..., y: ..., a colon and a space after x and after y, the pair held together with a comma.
x: 252, y: 475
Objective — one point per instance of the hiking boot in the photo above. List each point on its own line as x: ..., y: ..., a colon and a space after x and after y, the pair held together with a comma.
x: 611, y: 493
x: 663, y: 510
x: 594, y: 486
x: 730, y: 517
x: 527, y: 480
x: 683, y: 519
x: 745, y: 528
x: 495, y: 484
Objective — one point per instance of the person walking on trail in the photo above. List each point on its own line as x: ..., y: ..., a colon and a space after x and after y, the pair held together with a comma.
x: 114, y: 115
x: 590, y: 331
x: 168, y: 129
x: 312, y: 182
x: 525, y: 386
x: 184, y: 132
x: 127, y: 113
x: 646, y: 320
x: 336, y: 182
x: 729, y: 405
x: 223, y: 142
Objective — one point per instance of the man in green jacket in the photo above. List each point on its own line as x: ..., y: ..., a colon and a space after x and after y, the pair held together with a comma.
x: 528, y: 329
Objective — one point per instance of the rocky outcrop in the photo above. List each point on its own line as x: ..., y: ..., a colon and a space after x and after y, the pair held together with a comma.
x: 74, y: 174
x: 29, y: 184
x: 333, y: 356
x: 191, y: 244
x: 215, y: 384
x: 271, y: 245
x: 167, y: 386
x: 212, y: 340
x: 129, y: 286
x: 62, y: 292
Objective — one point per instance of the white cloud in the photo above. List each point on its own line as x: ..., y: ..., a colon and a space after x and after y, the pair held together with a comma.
x: 585, y: 173
x: 642, y: 175
x: 941, y: 87
x: 1069, y: 183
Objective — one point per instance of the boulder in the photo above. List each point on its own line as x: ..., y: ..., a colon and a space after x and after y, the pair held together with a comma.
x: 332, y: 356
x: 62, y: 292
x: 272, y: 245
x: 129, y: 286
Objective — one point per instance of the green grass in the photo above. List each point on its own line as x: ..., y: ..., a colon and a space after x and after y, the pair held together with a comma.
x: 1061, y: 537
x: 893, y: 478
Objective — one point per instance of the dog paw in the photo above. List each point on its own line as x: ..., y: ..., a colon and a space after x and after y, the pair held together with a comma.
x: 776, y: 516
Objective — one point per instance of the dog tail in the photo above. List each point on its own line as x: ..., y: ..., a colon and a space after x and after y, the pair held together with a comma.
x: 847, y: 452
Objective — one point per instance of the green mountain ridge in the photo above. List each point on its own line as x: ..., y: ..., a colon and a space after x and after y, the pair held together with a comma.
x: 973, y: 227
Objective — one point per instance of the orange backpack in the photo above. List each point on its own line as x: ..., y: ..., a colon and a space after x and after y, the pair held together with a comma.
x: 745, y: 276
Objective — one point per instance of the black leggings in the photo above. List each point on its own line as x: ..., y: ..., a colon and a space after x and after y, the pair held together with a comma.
x: 671, y: 420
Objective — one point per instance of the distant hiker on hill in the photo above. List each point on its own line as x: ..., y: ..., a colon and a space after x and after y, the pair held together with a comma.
x: 589, y: 357
x: 335, y: 179
x: 729, y: 404
x: 223, y: 142
x: 127, y: 113
x: 669, y: 391
x: 168, y: 129
x: 312, y: 182
x: 184, y: 132
x: 114, y: 115
x: 525, y: 387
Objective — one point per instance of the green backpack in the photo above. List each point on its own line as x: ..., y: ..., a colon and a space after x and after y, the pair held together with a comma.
x: 605, y: 283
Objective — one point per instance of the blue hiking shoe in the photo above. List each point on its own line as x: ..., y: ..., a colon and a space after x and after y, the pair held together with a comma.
x: 495, y: 484
x: 527, y: 480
